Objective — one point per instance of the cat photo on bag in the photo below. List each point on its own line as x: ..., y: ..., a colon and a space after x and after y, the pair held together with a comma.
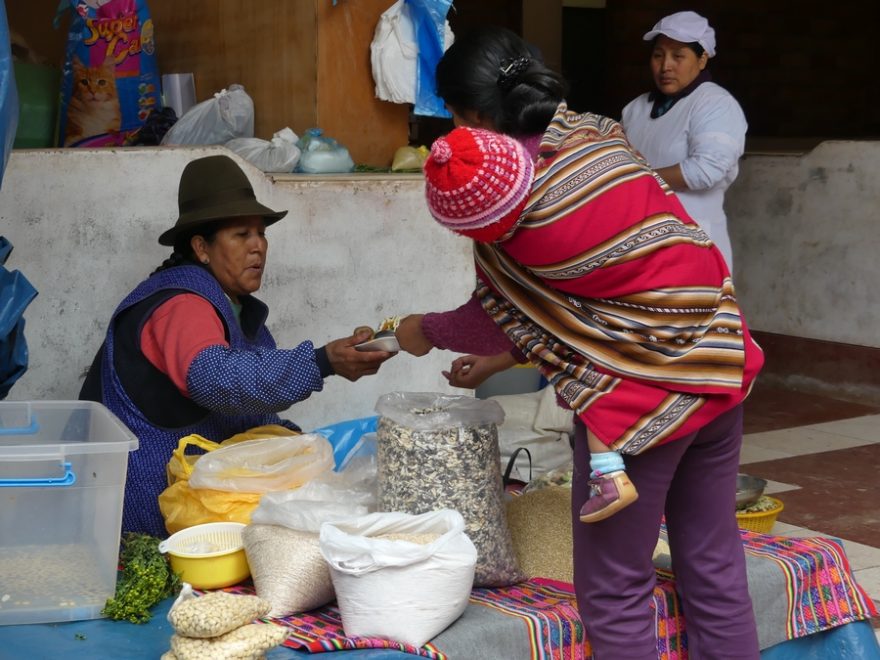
x: 94, y: 101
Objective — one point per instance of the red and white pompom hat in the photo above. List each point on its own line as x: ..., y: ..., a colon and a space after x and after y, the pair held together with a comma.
x: 477, y: 182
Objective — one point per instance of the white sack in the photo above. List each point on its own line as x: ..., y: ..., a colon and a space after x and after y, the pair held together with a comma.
x: 408, y: 592
x: 228, y: 114
x: 280, y: 154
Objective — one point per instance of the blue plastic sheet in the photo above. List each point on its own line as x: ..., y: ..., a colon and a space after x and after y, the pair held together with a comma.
x: 120, y: 640
x: 854, y: 641
x: 100, y: 639
x: 429, y: 19
x: 8, y: 94
x: 348, y: 438
x: 16, y: 293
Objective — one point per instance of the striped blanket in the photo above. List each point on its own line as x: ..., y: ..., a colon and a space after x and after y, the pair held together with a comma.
x: 799, y: 586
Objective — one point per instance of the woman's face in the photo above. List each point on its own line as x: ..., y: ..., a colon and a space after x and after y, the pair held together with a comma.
x: 236, y: 256
x: 675, y: 65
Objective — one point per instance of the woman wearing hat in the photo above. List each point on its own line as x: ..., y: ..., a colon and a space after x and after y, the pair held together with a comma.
x: 589, y: 267
x: 689, y: 129
x: 188, y: 351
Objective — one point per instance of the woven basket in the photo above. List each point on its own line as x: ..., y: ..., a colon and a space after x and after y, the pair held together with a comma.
x: 761, y: 521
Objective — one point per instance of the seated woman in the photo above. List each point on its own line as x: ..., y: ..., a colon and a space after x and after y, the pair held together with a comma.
x: 187, y: 351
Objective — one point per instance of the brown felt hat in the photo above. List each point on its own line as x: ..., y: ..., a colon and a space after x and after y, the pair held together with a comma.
x: 214, y: 188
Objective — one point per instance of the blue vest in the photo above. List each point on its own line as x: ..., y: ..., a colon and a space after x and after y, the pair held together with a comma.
x: 147, y: 465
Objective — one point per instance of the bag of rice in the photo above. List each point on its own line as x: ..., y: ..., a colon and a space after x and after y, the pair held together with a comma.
x: 438, y: 451
x: 283, y: 553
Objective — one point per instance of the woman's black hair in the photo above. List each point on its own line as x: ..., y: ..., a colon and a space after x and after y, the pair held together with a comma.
x: 183, y: 254
x: 494, y: 72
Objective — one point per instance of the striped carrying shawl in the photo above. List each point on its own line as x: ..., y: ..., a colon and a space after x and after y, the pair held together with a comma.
x: 614, y: 291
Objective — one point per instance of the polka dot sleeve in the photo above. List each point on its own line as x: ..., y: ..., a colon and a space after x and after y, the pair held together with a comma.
x: 256, y: 381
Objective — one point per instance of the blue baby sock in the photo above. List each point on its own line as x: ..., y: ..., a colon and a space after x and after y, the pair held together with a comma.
x: 605, y: 462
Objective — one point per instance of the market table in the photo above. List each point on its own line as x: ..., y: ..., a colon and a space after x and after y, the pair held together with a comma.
x: 807, y: 604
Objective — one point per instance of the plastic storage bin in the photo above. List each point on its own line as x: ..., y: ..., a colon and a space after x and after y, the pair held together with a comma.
x: 62, y: 482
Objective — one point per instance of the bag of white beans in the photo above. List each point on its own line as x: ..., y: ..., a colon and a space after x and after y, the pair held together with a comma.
x: 214, y: 614
x: 248, y: 642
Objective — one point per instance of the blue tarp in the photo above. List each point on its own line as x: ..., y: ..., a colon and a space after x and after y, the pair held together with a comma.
x: 8, y: 94
x: 429, y: 19
x: 16, y: 293
x: 120, y: 640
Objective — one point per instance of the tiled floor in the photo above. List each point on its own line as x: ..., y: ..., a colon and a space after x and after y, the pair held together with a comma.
x: 821, y: 458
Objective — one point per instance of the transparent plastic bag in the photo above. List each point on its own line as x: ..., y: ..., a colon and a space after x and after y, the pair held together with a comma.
x: 441, y: 451
x: 228, y: 114
x: 322, y: 154
x: 427, y: 411
x: 282, y: 546
x: 263, y: 465
x: 280, y: 154
x: 409, y: 159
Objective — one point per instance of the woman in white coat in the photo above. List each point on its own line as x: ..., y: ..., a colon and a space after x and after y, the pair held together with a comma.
x: 690, y: 130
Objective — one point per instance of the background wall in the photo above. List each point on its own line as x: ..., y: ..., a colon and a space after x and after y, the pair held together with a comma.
x: 84, y: 225
x: 805, y: 241
x: 801, y: 70
x: 355, y: 250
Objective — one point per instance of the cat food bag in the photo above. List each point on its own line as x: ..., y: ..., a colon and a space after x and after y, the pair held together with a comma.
x: 110, y: 81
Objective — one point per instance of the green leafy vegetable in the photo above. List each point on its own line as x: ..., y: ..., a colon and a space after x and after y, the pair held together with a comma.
x: 146, y: 579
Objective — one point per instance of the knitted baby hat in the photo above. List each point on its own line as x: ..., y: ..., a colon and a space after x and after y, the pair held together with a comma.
x: 477, y: 182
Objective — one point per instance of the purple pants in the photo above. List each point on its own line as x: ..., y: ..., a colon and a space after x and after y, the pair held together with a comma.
x: 692, y: 480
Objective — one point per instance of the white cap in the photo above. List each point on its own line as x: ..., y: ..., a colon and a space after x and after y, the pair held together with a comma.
x: 686, y: 27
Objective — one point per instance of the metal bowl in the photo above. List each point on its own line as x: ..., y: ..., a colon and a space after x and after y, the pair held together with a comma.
x: 748, y: 489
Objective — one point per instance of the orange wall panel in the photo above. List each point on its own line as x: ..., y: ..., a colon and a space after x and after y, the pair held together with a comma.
x: 268, y: 46
x: 347, y: 107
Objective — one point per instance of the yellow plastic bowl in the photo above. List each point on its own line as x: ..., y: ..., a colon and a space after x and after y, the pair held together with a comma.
x: 208, y: 556
x: 761, y: 521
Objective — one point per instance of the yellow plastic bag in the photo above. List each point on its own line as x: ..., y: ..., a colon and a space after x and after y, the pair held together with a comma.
x: 183, y: 507
x: 264, y: 465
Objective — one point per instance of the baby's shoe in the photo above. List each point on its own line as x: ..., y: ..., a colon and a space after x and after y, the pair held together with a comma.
x: 609, y: 493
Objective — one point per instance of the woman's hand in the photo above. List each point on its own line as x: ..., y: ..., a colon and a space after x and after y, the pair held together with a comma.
x: 351, y: 363
x: 470, y: 371
x: 410, y: 336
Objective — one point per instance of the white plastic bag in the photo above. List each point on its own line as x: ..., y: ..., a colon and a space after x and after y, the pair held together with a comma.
x: 534, y: 420
x: 263, y: 465
x: 280, y: 154
x: 228, y: 114
x: 306, y: 515
x: 394, y: 54
x: 393, y: 588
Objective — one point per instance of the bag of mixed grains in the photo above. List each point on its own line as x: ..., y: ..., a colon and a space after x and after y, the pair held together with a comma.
x: 438, y: 451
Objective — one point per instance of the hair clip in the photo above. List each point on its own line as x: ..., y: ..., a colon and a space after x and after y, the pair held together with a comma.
x: 510, y: 71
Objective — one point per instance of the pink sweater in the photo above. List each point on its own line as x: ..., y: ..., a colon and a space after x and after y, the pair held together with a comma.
x: 468, y: 329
